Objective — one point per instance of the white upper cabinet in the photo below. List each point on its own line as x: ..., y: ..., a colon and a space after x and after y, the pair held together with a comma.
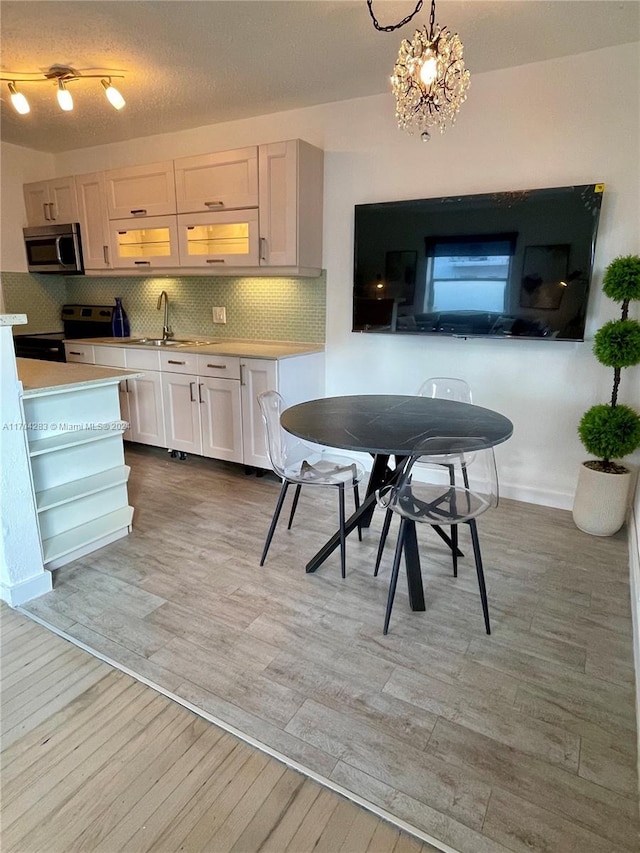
x: 227, y: 180
x: 254, y: 211
x: 220, y: 240
x: 52, y: 201
x: 147, y: 243
x: 291, y: 190
x: 141, y: 191
x: 94, y: 222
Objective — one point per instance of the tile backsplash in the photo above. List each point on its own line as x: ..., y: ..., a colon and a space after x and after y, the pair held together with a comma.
x: 40, y: 297
x: 278, y: 309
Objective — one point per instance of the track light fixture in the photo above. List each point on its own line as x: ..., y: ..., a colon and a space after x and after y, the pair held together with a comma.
x: 61, y: 76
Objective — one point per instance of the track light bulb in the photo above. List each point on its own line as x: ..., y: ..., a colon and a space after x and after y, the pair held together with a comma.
x: 64, y: 97
x: 113, y: 95
x: 20, y: 103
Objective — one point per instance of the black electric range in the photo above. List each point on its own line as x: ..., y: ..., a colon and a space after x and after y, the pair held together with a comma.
x: 78, y: 321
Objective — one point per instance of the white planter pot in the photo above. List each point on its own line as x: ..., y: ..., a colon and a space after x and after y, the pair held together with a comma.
x: 601, y: 501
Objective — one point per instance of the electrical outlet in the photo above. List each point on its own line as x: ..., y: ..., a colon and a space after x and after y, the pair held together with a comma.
x: 219, y: 315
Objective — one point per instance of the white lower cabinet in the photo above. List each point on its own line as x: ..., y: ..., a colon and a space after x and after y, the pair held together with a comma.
x: 146, y: 412
x: 206, y: 404
x: 202, y: 405
x: 297, y: 378
x: 141, y: 398
x: 258, y: 375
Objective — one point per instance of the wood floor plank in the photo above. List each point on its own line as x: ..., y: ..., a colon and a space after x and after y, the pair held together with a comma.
x: 256, y: 830
x: 283, y: 831
x: 165, y: 828
x: 51, y: 790
x: 313, y: 824
x: 79, y: 821
x: 227, y: 834
x: 524, y: 827
x: 544, y: 707
x: 84, y: 677
x: 148, y: 787
x: 337, y: 829
x: 65, y: 730
x: 603, y: 811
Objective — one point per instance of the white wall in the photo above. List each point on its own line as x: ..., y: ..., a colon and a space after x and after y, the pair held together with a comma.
x: 19, y: 166
x: 22, y: 575
x: 572, y: 120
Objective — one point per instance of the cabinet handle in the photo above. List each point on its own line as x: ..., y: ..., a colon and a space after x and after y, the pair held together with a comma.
x: 218, y: 366
x: 71, y: 352
x: 143, y: 263
x: 44, y: 208
x: 200, y: 392
x: 214, y: 204
x: 138, y: 212
x: 191, y: 384
x: 242, y: 382
x: 169, y: 361
x: 105, y: 254
x: 51, y: 213
x: 215, y: 260
x: 126, y: 385
x: 263, y: 248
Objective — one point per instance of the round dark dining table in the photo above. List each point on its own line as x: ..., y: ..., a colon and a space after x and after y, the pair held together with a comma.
x: 386, y: 425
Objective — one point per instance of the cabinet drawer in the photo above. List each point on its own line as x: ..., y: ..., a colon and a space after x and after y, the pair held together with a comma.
x: 109, y: 356
x: 80, y: 352
x: 140, y: 359
x: 178, y: 361
x: 224, y: 366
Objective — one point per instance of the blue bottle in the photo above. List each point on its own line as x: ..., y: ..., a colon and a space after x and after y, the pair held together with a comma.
x: 120, y: 322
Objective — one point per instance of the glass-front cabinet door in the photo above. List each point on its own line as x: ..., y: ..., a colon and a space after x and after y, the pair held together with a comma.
x: 218, y: 239
x: 140, y: 243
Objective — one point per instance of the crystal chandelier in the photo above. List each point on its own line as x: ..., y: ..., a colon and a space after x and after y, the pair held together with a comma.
x: 429, y: 80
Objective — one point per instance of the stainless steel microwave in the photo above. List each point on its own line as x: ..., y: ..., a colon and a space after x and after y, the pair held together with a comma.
x: 54, y: 249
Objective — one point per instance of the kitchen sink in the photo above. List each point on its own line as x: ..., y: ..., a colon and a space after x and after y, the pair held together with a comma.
x: 169, y: 342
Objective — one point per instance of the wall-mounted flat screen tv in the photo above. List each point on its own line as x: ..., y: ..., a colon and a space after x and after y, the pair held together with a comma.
x: 501, y: 265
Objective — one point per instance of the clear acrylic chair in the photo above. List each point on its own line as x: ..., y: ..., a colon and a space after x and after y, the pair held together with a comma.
x: 446, y: 388
x: 304, y: 465
x: 442, y: 388
x: 442, y: 495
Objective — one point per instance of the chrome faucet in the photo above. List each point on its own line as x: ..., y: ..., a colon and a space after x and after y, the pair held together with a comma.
x: 166, y: 328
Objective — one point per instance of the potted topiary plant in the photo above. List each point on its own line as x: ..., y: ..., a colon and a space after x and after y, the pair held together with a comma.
x: 611, y: 431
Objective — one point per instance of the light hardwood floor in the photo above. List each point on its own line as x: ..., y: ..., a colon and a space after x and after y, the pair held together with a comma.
x: 521, y: 741
x: 94, y: 760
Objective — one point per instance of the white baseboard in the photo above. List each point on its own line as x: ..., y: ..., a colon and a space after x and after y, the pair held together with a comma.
x: 541, y: 497
x: 634, y: 583
x: 16, y: 594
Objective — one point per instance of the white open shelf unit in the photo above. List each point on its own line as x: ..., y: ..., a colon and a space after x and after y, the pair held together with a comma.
x: 77, y: 465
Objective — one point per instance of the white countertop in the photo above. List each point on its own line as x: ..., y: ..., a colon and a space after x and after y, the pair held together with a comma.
x: 248, y: 349
x: 40, y: 377
x: 13, y: 319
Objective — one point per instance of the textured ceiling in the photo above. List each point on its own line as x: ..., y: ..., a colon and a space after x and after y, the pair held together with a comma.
x: 199, y: 62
